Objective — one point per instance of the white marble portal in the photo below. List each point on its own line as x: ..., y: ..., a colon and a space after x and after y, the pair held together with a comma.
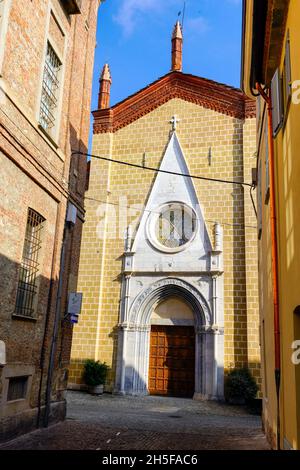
x: 152, y: 275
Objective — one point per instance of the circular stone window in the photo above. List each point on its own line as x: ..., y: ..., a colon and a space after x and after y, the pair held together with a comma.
x: 172, y: 227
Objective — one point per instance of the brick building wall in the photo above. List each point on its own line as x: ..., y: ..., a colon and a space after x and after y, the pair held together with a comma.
x: 215, y: 145
x: 38, y: 173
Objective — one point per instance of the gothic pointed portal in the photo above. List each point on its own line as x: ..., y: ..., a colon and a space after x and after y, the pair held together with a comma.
x: 170, y: 269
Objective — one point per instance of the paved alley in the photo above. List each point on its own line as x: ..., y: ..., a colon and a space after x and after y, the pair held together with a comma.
x: 148, y: 423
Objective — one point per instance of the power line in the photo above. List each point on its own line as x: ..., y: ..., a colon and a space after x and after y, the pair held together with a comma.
x: 158, y: 213
x: 252, y: 200
x: 157, y: 170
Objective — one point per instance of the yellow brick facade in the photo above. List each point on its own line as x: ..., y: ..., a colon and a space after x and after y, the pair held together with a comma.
x: 281, y: 417
x: 202, y: 132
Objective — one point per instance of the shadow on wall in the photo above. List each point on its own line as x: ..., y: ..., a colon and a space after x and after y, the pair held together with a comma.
x: 23, y: 335
x: 78, y: 164
x: 76, y: 367
x: 27, y: 342
x: 288, y: 206
x: 114, y: 335
x: 78, y: 181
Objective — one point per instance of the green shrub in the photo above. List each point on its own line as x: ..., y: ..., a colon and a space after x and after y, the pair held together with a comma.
x: 240, y: 384
x: 94, y: 372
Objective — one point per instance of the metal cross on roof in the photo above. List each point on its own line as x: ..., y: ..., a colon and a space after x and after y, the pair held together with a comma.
x: 174, y: 121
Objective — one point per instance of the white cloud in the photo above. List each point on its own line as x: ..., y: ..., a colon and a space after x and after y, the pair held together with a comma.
x: 130, y: 10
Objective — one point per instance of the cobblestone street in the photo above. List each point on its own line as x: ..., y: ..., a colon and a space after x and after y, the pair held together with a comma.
x: 149, y: 423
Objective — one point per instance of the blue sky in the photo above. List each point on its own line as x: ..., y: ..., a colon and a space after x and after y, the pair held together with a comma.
x: 134, y: 37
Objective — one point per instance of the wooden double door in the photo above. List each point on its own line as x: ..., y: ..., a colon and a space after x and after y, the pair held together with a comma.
x: 172, y: 361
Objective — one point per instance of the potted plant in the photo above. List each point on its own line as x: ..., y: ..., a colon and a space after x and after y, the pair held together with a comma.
x: 94, y: 376
x: 240, y: 387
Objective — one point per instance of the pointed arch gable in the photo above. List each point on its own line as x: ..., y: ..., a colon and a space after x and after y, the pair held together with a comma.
x: 183, y: 192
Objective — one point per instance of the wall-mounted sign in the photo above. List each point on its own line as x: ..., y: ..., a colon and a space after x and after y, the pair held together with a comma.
x: 74, y: 305
x: 74, y: 318
x: 2, y: 353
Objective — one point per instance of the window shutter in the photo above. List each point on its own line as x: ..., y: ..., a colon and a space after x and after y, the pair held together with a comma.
x: 287, y: 70
x: 276, y: 94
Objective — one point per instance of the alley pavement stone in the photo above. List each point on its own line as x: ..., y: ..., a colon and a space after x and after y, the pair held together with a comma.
x: 111, y: 422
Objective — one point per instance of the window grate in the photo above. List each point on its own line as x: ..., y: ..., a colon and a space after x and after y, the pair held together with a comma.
x: 17, y: 388
x: 175, y: 226
x: 49, y: 89
x: 72, y: 7
x: 29, y: 267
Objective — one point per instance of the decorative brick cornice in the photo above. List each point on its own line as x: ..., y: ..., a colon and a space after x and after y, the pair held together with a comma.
x: 207, y: 93
x: 250, y: 108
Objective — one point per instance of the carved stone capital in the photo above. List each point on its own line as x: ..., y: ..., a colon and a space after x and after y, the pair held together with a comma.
x: 133, y: 327
x: 213, y: 330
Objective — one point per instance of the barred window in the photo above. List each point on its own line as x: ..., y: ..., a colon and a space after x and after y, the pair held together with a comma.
x: 175, y: 225
x: 72, y: 7
x: 27, y: 285
x: 50, y: 89
x: 17, y: 388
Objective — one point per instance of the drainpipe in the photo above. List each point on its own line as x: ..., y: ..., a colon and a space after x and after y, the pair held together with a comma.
x: 55, y: 332
x: 48, y: 313
x: 274, y: 241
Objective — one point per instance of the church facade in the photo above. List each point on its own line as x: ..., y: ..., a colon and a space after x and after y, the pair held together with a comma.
x: 168, y: 265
